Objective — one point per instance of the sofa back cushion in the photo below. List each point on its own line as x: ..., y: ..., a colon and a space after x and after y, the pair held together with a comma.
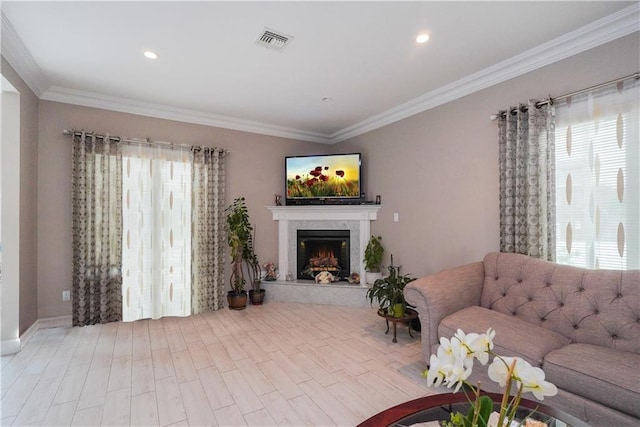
x: 600, y: 307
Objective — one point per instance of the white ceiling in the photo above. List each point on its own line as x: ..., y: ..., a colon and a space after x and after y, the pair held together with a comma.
x: 363, y: 55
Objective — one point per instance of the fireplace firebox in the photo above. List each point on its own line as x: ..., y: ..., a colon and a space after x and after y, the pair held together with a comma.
x: 322, y: 250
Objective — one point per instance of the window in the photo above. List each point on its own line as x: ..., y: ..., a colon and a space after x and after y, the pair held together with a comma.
x: 598, y: 179
x: 156, y: 247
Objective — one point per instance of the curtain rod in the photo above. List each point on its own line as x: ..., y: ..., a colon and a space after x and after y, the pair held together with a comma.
x: 550, y: 100
x: 135, y: 140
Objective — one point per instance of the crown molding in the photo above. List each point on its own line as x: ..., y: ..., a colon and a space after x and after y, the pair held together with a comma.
x: 124, y: 105
x: 612, y: 27
x: 17, y: 54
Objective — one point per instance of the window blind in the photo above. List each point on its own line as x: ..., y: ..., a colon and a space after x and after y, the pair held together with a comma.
x: 597, y: 178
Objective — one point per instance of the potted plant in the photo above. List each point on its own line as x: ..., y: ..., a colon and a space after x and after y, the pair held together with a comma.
x: 389, y: 291
x: 372, y: 259
x: 256, y: 294
x: 239, y: 237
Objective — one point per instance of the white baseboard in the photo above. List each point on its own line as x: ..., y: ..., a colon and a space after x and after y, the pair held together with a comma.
x: 44, y: 323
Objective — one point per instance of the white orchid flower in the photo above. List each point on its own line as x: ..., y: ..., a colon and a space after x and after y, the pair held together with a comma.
x: 451, y: 349
x: 532, y: 380
x: 481, y: 346
x: 453, y: 362
x: 438, y: 370
x: 465, y: 342
x: 457, y: 375
x: 498, y: 371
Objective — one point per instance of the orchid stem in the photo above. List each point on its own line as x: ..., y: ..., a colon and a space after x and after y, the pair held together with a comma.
x: 507, y: 393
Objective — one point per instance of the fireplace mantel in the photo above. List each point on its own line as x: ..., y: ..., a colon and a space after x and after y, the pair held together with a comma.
x: 290, y: 218
x: 326, y: 212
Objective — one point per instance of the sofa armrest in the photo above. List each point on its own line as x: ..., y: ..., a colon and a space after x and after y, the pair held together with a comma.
x: 443, y: 293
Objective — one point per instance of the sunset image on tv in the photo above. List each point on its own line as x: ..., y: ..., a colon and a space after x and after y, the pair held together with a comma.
x: 320, y: 176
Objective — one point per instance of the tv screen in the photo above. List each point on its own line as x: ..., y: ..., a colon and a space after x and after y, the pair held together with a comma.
x: 331, y: 178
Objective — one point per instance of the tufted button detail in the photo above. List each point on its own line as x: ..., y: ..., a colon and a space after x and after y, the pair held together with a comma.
x: 513, y: 313
x: 614, y: 336
x: 580, y: 289
x: 618, y: 295
x: 547, y: 285
x: 519, y: 280
x: 561, y: 304
x: 504, y: 294
x: 575, y: 326
x: 495, y: 278
x: 598, y: 312
x: 530, y: 299
x: 542, y: 319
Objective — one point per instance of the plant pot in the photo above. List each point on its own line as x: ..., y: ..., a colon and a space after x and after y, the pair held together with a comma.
x: 237, y: 301
x: 371, y: 277
x: 398, y: 310
x: 257, y: 297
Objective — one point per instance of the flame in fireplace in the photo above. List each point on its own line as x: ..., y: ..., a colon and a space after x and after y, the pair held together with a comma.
x: 324, y: 253
x: 323, y: 258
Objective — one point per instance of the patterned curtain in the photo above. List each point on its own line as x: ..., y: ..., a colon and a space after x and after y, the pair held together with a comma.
x: 156, y: 232
x: 208, y: 240
x: 96, y: 198
x: 527, y: 181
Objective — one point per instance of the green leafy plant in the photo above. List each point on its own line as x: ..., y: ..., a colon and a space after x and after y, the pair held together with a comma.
x: 389, y: 291
x: 240, y: 240
x: 373, y: 254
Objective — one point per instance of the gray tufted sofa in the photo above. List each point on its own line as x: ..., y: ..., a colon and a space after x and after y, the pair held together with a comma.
x: 582, y: 327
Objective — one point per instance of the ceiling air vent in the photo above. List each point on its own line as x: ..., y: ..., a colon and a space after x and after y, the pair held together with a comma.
x: 272, y: 39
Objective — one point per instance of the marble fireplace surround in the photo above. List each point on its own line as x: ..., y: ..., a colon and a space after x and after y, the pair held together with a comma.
x: 355, y: 218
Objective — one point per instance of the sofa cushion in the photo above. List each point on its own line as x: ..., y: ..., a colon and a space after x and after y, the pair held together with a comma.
x: 600, y: 307
x: 514, y: 337
x: 605, y: 375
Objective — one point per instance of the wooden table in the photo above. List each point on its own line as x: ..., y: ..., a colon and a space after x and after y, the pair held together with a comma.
x: 409, y: 315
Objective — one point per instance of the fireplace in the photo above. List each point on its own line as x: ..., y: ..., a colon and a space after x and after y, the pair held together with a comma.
x: 356, y: 219
x: 323, y: 250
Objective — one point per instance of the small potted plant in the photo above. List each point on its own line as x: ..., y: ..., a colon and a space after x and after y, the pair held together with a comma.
x: 256, y: 294
x: 372, y: 259
x: 389, y: 291
x: 239, y: 237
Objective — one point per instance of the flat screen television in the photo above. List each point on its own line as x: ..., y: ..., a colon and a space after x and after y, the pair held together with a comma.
x: 323, y: 179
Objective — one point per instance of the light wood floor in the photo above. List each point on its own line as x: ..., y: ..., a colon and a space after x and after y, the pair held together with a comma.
x: 272, y: 365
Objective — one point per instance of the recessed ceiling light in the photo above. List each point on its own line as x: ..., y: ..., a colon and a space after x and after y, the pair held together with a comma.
x: 422, y: 38
x: 150, y: 54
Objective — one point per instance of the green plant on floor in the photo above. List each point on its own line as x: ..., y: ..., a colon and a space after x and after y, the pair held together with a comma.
x: 240, y: 240
x: 389, y: 291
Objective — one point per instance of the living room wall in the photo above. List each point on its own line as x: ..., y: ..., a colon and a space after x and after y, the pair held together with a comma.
x: 254, y: 169
x: 439, y: 169
x: 28, y: 198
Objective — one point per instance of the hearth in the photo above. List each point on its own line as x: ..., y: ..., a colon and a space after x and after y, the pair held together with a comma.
x: 323, y: 250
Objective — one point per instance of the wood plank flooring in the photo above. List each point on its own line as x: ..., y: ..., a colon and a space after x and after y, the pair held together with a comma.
x: 279, y: 364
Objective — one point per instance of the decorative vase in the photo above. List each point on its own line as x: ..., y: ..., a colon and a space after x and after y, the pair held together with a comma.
x: 371, y: 277
x: 237, y: 301
x: 398, y: 310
